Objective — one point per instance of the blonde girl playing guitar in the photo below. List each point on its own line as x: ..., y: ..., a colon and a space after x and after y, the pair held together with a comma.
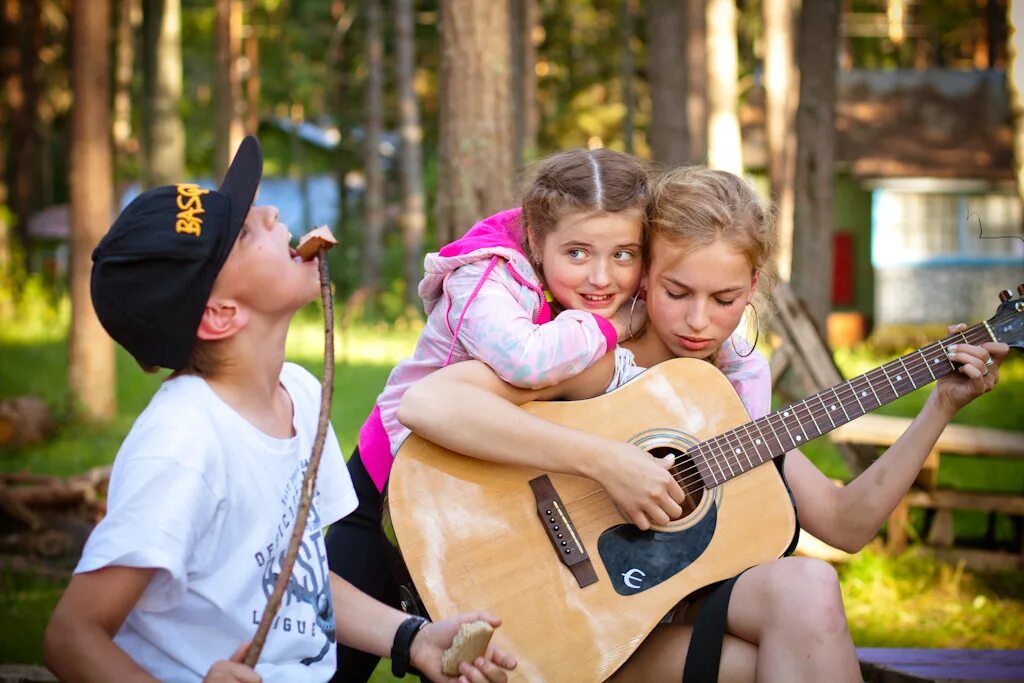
x: 710, y: 254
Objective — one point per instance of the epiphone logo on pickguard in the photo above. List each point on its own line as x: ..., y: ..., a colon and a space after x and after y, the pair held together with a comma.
x: 634, y: 578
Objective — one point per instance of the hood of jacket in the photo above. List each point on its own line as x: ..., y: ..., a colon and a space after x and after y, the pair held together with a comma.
x: 498, y: 235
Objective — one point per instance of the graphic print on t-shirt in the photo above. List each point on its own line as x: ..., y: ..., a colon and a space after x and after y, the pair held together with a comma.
x: 308, y: 583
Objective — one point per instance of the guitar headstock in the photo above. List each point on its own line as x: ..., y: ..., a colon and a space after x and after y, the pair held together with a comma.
x: 1007, y: 325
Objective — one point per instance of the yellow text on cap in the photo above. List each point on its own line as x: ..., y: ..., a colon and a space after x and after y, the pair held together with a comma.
x: 191, y: 207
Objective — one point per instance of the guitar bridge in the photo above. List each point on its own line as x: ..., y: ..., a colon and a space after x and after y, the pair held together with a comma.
x: 561, y: 531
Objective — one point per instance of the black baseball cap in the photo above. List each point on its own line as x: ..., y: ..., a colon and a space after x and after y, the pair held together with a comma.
x: 153, y: 271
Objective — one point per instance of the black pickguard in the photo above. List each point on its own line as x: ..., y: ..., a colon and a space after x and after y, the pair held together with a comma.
x: 659, y: 555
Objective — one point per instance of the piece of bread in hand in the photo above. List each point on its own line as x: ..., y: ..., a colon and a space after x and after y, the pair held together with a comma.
x: 469, y: 643
x: 313, y: 241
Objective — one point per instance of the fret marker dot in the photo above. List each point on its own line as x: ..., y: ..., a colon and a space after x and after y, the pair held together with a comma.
x: 798, y: 437
x: 899, y: 377
x: 935, y: 361
x: 786, y: 414
x: 833, y: 406
x: 863, y: 393
x: 737, y: 451
x: 757, y: 441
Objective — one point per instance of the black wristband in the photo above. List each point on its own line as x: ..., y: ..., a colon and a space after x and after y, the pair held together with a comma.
x: 403, y: 644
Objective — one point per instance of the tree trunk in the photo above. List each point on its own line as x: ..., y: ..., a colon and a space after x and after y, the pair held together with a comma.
x: 813, y: 217
x: 228, y: 45
x: 8, y: 67
x: 22, y: 105
x: 163, y: 133
x: 127, y: 12
x: 781, y: 90
x: 696, y: 79
x: 373, y: 231
x: 476, y: 174
x: 346, y: 277
x: 1015, y: 82
x: 666, y: 77
x: 523, y: 22
x: 91, y: 373
x: 724, y: 150
x: 628, y: 69
x: 252, y: 77
x: 414, y: 219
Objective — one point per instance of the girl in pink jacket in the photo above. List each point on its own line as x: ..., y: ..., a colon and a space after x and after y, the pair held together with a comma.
x: 537, y: 294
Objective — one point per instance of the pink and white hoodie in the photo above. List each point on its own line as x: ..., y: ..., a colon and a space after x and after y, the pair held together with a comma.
x: 484, y: 301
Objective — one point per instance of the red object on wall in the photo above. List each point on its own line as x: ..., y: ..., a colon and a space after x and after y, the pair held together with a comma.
x: 842, y: 269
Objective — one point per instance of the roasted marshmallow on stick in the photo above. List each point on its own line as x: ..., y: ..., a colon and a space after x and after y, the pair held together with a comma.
x: 313, y: 241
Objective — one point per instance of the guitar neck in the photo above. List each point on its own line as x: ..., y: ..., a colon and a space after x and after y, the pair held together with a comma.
x: 728, y: 455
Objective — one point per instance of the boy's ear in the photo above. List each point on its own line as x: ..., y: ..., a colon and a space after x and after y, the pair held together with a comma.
x: 221, y: 319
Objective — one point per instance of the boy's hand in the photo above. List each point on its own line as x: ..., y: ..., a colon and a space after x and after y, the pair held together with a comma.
x: 232, y: 670
x: 435, y: 638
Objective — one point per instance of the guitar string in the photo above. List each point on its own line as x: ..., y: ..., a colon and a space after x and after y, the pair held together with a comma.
x: 688, y: 475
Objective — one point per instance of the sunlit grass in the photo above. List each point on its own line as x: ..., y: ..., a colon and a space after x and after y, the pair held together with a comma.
x: 914, y: 601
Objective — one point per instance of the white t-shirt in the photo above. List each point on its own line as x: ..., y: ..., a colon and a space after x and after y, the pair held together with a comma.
x: 209, y: 500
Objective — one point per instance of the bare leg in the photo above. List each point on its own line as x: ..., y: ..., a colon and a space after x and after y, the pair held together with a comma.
x: 661, y: 657
x: 793, y: 611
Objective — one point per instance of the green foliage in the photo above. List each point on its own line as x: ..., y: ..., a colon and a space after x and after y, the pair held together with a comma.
x: 913, y: 601
x: 25, y: 605
x: 31, y: 307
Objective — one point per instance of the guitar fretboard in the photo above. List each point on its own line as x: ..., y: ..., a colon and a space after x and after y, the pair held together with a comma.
x: 728, y: 455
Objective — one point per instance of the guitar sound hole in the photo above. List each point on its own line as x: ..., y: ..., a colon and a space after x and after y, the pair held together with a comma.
x: 685, y: 472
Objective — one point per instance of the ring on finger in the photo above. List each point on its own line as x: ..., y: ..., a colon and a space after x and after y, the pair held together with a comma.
x: 989, y: 361
x: 986, y: 371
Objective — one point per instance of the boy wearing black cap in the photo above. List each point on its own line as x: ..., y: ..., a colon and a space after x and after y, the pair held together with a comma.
x: 205, y: 487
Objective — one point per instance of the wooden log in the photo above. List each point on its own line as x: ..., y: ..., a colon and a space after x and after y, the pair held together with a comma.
x: 940, y: 533
x: 16, y: 509
x: 88, y: 487
x: 883, y: 430
x: 898, y: 521
x: 24, y: 420
x: 944, y: 499
x: 928, y: 477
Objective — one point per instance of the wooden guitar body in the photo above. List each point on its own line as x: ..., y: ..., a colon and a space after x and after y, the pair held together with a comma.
x: 473, y: 537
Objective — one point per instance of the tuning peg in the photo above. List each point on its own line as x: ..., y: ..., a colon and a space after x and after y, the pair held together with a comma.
x: 1005, y: 295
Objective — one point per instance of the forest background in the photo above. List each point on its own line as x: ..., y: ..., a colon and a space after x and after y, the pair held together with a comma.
x: 401, y: 123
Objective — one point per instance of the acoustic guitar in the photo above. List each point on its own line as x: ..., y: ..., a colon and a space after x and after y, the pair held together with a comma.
x: 577, y: 586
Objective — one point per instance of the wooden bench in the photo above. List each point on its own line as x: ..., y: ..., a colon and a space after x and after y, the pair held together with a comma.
x: 981, y: 442
x: 25, y: 673
x: 915, y: 665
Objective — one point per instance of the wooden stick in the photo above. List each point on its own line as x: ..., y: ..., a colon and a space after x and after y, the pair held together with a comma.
x: 252, y: 655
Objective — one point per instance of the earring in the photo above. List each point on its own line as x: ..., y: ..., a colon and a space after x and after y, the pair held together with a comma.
x: 757, y: 334
x: 629, y: 321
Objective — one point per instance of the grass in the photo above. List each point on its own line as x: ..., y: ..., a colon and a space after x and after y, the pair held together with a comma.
x: 908, y: 600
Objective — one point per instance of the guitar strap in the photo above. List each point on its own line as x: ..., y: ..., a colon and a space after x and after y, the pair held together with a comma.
x: 705, y: 651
